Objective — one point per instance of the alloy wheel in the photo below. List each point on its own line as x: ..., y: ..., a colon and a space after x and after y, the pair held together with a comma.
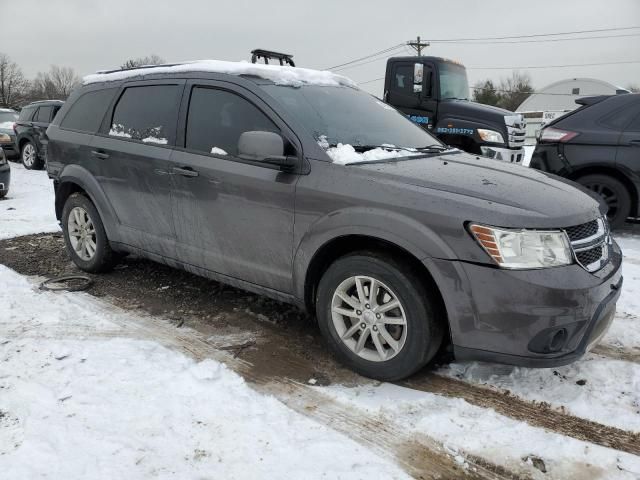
x: 607, y: 194
x: 82, y: 233
x: 369, y: 318
x: 29, y: 155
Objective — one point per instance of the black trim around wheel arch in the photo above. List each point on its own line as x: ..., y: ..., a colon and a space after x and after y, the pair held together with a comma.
x: 464, y: 354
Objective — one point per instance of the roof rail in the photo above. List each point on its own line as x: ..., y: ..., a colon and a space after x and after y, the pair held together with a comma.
x: 102, y: 72
x: 269, y: 55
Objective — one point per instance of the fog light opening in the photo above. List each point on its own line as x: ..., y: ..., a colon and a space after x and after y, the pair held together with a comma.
x: 558, y: 340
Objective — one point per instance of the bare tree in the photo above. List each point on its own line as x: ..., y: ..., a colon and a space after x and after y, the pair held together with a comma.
x: 57, y: 83
x: 634, y: 88
x: 514, y: 90
x: 152, y: 59
x: 508, y: 94
x: 13, y: 84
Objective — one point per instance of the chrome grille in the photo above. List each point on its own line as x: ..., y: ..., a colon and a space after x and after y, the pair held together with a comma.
x: 580, y: 232
x: 590, y: 243
x: 516, y: 130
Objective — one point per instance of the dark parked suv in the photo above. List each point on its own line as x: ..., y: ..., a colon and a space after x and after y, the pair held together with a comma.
x: 296, y: 184
x: 30, y: 128
x: 598, y: 146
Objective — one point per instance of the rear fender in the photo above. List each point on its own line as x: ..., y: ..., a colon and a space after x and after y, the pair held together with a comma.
x: 80, y: 176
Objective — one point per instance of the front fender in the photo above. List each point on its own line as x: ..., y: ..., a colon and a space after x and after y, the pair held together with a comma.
x: 400, y: 230
x: 80, y: 176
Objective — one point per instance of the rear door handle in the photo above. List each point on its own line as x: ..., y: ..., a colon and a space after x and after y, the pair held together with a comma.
x: 99, y: 154
x: 635, y: 143
x: 185, y: 171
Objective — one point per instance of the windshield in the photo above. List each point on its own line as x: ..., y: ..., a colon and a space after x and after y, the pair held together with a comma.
x: 7, y: 118
x: 348, y: 116
x: 453, y: 81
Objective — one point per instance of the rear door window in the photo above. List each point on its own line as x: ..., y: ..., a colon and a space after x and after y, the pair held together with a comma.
x: 44, y: 114
x: 217, y: 118
x: 147, y: 114
x: 620, y: 117
x: 87, y: 112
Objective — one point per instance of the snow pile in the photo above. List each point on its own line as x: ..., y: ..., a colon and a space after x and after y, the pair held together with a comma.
x: 218, y: 151
x: 29, y: 206
x: 280, y: 75
x: 345, y: 154
x: 81, y: 400
x: 461, y: 426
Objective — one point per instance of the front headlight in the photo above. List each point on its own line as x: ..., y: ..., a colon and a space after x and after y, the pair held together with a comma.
x: 4, y: 137
x: 490, y: 136
x: 524, y: 249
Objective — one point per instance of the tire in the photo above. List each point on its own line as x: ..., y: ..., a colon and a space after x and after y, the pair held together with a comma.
x: 3, y: 193
x: 81, y: 223
x: 29, y: 157
x: 417, y: 341
x: 615, y: 195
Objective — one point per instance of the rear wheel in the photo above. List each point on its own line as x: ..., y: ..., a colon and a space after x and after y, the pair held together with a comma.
x: 377, y: 316
x: 29, y: 156
x: 85, y: 236
x: 614, y: 193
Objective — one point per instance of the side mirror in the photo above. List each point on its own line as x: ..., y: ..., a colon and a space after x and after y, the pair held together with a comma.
x: 267, y: 147
x: 418, y: 72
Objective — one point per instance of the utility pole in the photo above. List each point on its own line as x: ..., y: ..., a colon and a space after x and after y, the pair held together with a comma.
x: 417, y: 45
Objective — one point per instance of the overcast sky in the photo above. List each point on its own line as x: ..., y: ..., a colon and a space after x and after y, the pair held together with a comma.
x: 90, y: 35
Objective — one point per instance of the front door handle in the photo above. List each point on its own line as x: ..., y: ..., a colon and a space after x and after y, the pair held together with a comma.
x: 635, y: 143
x: 185, y: 171
x: 99, y: 154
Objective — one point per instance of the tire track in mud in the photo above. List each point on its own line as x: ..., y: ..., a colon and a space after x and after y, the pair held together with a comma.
x: 538, y: 414
x: 617, y: 353
x: 420, y: 456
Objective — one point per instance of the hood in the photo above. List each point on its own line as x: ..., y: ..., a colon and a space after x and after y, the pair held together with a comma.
x: 499, y: 193
x: 467, y: 110
x: 7, y: 127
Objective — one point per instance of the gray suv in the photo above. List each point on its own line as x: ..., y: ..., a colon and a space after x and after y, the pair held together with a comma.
x: 297, y: 185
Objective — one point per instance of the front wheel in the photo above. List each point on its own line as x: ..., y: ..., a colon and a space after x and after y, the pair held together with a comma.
x: 378, y: 316
x: 614, y: 194
x: 29, y: 156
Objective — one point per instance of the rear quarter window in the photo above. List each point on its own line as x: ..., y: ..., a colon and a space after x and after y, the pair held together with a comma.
x: 88, y: 110
x: 26, y: 114
x: 619, y: 118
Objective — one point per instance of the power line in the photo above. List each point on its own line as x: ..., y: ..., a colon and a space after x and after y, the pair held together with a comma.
x: 534, y: 35
x: 554, y: 66
x: 544, y: 40
x: 391, y: 52
x: 366, y: 56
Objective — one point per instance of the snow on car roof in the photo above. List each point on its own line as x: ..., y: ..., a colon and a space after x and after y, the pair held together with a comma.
x: 280, y: 75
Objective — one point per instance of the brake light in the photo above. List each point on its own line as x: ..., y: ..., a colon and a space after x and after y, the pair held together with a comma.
x: 556, y: 135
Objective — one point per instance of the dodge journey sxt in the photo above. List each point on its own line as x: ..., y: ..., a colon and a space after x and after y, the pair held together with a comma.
x: 296, y: 184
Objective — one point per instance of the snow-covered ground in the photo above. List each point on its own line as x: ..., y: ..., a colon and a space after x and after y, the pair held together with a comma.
x: 28, y: 208
x: 97, y: 404
x: 84, y: 394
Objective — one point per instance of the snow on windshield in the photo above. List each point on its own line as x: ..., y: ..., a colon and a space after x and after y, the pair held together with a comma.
x: 280, y: 75
x: 345, y: 154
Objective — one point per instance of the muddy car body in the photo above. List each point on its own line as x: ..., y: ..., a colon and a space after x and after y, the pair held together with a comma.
x: 393, y: 252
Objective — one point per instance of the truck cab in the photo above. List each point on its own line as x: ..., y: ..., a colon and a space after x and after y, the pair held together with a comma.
x: 434, y: 93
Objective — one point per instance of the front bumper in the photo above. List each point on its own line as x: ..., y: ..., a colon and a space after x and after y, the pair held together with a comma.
x: 10, y: 149
x: 533, y: 318
x: 504, y: 154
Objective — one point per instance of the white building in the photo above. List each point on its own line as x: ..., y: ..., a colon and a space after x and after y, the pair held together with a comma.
x: 559, y: 98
